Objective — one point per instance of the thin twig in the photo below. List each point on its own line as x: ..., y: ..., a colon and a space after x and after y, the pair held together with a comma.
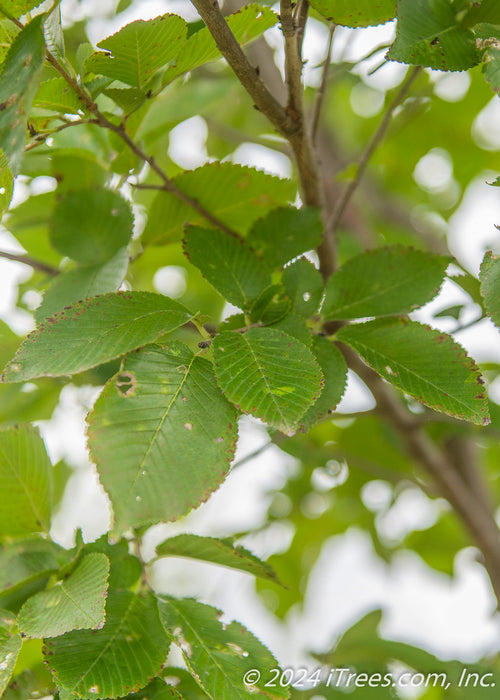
x: 300, y: 18
x: 247, y: 75
x: 32, y: 262
x: 466, y: 326
x: 320, y: 95
x: 40, y: 138
x: 253, y: 455
x: 376, y: 139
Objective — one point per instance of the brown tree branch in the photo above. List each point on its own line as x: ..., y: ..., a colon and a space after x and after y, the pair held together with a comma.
x: 370, y: 149
x: 293, y: 61
x: 32, y: 262
x: 247, y: 75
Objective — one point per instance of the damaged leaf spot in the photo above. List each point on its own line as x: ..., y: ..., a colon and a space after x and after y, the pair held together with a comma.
x: 126, y: 383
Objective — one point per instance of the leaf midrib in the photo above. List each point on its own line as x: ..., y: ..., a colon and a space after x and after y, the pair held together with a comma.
x: 159, y: 427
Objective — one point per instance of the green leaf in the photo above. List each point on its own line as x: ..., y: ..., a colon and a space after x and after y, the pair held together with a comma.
x: 75, y: 603
x: 356, y: 13
x: 218, y: 655
x: 304, y: 286
x: 426, y: 364
x: 93, y: 331
x: 18, y: 83
x: 83, y: 283
x: 56, y: 95
x: 182, y: 435
x: 53, y: 33
x: 8, y: 31
x: 483, y: 11
x: 25, y: 475
x: 269, y: 374
x: 450, y: 312
x: 125, y: 569
x: 218, y: 551
x: 334, y: 369
x: 118, y: 659
x: 382, y: 282
x: 76, y: 169
x: 246, y: 25
x: 10, y: 646
x: 489, y: 277
x: 137, y: 52
x: 492, y: 68
x: 226, y: 262
x: 184, y: 682
x: 234, y: 194
x: 271, y: 306
x: 17, y: 8
x: 91, y: 225
x: 295, y: 326
x: 157, y: 690
x: 24, y: 561
x: 6, y: 183
x: 28, y: 223
x: 128, y: 99
x: 284, y: 234
x: 61, y: 474
x: 429, y: 33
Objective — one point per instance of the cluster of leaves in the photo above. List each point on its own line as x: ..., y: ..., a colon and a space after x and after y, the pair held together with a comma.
x: 175, y: 378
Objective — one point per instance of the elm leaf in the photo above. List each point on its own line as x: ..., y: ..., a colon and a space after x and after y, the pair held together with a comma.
x: 111, y: 662
x: 91, y: 225
x: 429, y: 33
x: 234, y: 194
x: 227, y: 263
x: 284, y: 234
x: 25, y: 475
x: 218, y: 551
x: 361, y: 13
x: 490, y: 285
x: 383, y: 282
x: 181, y: 435
x: 334, y: 370
x: 269, y: 374
x: 219, y: 655
x: 94, y: 331
x: 76, y: 602
x: 137, y: 51
x: 426, y: 364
